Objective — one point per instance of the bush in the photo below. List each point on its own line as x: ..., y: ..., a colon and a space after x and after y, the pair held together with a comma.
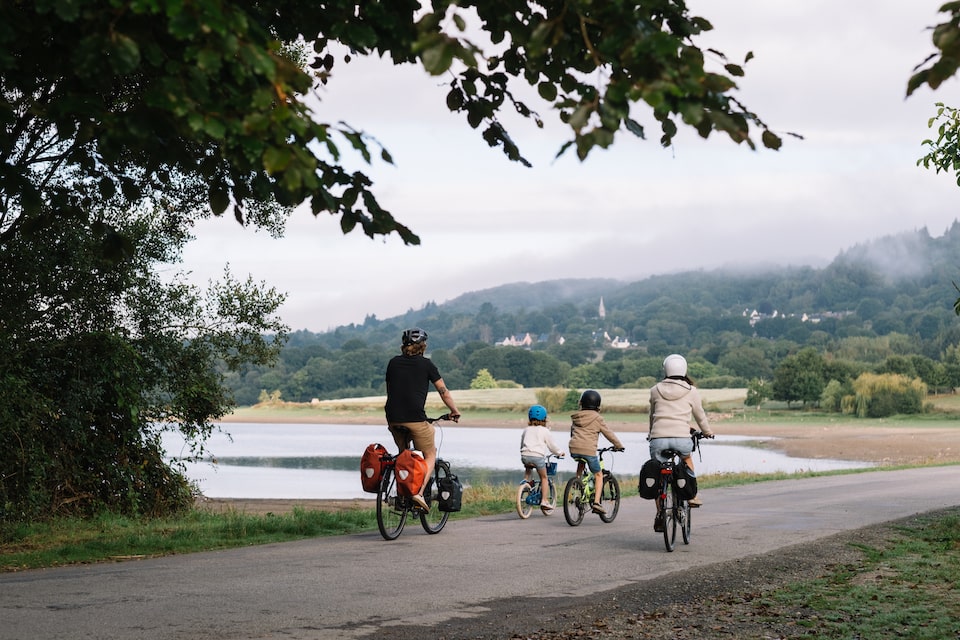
x: 883, y: 395
x: 553, y: 398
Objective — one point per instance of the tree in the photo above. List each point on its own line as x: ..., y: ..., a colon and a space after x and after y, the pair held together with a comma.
x: 483, y: 380
x: 799, y: 378
x: 757, y: 391
x: 97, y: 355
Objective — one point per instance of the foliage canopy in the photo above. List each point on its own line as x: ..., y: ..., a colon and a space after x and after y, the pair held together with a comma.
x: 132, y: 96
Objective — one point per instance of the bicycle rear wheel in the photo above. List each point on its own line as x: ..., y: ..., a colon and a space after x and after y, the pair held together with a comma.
x: 391, y: 508
x: 574, y: 506
x: 610, y: 498
x: 434, y: 520
x: 669, y: 515
x: 684, y: 511
x: 523, y: 509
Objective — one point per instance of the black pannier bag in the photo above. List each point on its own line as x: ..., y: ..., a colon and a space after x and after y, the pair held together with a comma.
x: 650, y: 479
x: 449, y: 492
x: 685, y: 481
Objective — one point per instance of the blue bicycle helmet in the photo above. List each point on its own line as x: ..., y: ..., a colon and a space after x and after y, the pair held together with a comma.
x: 537, y: 412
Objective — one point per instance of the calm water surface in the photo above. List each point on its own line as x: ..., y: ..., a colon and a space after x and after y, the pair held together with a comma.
x: 323, y: 461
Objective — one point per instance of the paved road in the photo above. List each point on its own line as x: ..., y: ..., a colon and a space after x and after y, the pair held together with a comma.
x: 361, y: 586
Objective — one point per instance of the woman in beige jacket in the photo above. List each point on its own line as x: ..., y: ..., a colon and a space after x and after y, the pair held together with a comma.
x: 674, y: 401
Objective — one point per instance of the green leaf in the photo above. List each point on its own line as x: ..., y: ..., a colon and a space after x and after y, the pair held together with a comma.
x: 547, y: 91
x: 219, y: 199
x: 771, y: 140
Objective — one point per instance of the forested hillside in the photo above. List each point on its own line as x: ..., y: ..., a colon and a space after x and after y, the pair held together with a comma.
x: 888, y: 299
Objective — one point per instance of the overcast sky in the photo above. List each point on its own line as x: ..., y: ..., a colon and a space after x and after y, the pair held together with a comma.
x: 833, y: 71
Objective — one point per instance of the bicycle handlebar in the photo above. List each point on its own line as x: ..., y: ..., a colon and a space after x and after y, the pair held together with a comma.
x: 445, y: 416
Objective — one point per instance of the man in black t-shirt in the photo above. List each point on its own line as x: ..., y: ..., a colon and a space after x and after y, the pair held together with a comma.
x: 408, y: 381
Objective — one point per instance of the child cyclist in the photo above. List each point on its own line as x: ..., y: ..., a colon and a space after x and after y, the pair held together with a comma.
x: 585, y: 431
x: 535, y: 443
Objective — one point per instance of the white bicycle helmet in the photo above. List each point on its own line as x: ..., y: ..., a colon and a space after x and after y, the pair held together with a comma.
x: 674, y: 365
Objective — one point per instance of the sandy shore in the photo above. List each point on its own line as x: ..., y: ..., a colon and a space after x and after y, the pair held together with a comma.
x: 883, y: 445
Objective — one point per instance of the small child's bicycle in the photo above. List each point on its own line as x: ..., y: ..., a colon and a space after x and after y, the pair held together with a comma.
x: 578, y: 494
x: 392, y: 509
x: 530, y: 494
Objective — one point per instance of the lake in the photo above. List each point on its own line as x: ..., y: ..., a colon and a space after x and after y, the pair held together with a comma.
x: 321, y: 461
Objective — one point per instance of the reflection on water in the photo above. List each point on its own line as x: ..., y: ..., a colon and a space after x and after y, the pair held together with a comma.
x: 323, y: 461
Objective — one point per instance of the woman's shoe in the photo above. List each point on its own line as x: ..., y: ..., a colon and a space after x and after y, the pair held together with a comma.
x: 420, y: 502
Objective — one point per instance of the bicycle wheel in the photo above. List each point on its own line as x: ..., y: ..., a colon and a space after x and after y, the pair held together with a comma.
x: 551, y: 494
x: 434, y: 520
x: 669, y: 516
x: 574, y: 506
x: 610, y: 498
x: 391, y: 508
x: 523, y: 508
x: 684, y: 516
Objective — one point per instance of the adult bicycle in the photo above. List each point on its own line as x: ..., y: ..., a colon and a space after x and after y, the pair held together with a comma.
x: 673, y: 509
x: 579, y: 493
x: 393, y: 509
x: 530, y: 493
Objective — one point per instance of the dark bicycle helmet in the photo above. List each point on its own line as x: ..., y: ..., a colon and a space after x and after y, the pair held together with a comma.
x: 414, y: 336
x: 590, y: 399
x: 537, y: 412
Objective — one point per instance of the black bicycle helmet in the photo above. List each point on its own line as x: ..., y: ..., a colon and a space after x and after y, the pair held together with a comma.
x: 590, y: 399
x: 414, y: 336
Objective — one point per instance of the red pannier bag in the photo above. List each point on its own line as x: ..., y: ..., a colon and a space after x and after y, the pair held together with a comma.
x: 411, y: 469
x: 371, y: 467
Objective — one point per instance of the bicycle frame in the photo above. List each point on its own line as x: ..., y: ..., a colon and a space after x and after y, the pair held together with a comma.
x: 530, y: 496
x: 578, y: 493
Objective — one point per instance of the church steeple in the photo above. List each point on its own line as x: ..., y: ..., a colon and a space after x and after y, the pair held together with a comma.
x: 602, y: 311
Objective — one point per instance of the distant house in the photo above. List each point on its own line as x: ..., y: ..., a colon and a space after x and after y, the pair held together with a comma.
x: 518, y: 340
x: 617, y: 343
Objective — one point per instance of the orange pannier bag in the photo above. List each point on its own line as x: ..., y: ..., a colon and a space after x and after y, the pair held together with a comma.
x: 371, y: 467
x: 411, y: 469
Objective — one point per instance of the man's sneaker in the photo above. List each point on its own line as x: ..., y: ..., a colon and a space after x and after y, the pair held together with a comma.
x: 658, y: 524
x: 598, y: 508
x: 420, y: 502
x: 695, y: 502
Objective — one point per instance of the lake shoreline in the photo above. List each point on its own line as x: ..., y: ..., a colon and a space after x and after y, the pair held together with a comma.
x: 884, y: 445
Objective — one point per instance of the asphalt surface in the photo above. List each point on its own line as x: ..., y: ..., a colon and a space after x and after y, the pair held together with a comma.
x: 361, y: 586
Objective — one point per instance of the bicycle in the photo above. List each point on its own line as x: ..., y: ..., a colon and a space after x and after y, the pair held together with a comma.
x: 529, y: 495
x: 578, y: 494
x: 393, y: 509
x: 673, y: 510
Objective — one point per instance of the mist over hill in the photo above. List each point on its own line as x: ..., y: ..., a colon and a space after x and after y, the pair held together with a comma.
x: 914, y: 267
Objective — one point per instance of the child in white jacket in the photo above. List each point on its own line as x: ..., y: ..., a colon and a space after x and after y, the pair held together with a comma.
x: 535, y: 443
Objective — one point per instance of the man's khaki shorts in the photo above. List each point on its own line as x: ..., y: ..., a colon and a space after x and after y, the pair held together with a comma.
x: 421, y: 433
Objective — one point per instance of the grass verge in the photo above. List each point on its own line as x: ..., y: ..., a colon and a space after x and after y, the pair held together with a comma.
x: 907, y: 587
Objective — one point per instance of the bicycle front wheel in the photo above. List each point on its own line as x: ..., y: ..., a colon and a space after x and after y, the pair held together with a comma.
x: 610, y: 498
x: 434, y: 520
x: 574, y: 506
x: 551, y: 495
x: 523, y: 508
x: 669, y: 516
x: 391, y: 508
